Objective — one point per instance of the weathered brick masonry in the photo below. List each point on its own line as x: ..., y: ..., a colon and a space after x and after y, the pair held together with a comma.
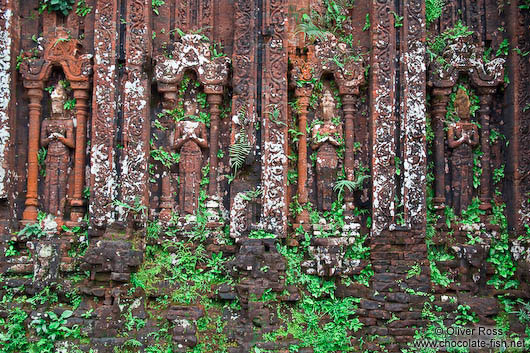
x: 262, y: 175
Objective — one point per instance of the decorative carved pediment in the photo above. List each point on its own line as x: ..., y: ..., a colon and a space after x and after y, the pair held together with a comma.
x: 60, y: 50
x: 464, y: 56
x: 330, y: 56
x: 192, y: 53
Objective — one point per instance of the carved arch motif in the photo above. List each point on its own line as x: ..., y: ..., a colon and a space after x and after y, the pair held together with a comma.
x: 463, y: 57
x: 193, y: 53
x: 65, y: 52
x: 335, y: 58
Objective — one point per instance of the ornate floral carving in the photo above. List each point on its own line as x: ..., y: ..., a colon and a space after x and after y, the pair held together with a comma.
x: 103, y: 184
x: 244, y: 72
x: 136, y: 107
x: 274, y: 170
x: 383, y: 76
x: 464, y: 56
x: 414, y: 114
x: 192, y: 53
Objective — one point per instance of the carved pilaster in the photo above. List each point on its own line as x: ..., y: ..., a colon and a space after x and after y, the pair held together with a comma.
x: 81, y: 113
x: 486, y: 97
x: 439, y: 109
x: 35, y: 94
x: 303, y: 103
x: 348, y: 106
x: 214, y: 100
x: 274, y: 168
x: 8, y: 25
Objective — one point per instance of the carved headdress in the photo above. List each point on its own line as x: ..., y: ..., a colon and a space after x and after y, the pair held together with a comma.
x: 462, y: 104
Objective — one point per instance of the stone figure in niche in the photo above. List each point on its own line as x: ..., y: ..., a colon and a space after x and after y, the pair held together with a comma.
x: 57, y: 134
x: 462, y: 136
x: 325, y: 140
x: 190, y: 139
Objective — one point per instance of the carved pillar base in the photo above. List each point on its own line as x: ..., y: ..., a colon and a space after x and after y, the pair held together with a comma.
x: 302, y: 219
x: 166, y: 211
x: 352, y: 224
x: 77, y: 213
x: 167, y: 202
x: 30, y: 212
x: 213, y: 207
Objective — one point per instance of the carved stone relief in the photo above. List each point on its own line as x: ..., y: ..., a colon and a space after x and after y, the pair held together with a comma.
x: 64, y: 52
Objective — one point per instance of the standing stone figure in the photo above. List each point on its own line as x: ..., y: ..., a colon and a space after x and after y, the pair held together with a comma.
x: 57, y: 134
x: 462, y: 136
x: 190, y: 137
x: 325, y: 140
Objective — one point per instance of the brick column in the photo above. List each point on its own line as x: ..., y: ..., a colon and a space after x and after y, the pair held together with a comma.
x: 303, y: 102
x: 81, y: 113
x: 439, y: 109
x: 35, y: 95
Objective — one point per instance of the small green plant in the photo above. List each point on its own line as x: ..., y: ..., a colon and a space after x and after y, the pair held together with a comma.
x: 238, y: 152
x: 137, y: 208
x: 436, y: 45
x: 433, y: 10
x: 414, y: 271
x: 82, y: 8
x: 156, y: 4
x: 498, y: 174
x: 167, y: 159
x: 217, y: 50
x: 41, y: 160
x: 465, y: 315
x: 51, y: 328
x: 504, y: 48
x: 261, y: 234
x: 351, y: 185
x: 367, y: 22
x: 10, y: 249
x: 398, y: 20
x: 60, y: 6
x: 32, y: 230
x: 13, y: 338
x: 69, y: 104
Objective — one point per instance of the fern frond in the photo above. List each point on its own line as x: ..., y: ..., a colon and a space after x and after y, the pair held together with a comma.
x: 312, y: 31
x: 433, y: 10
x: 238, y: 152
x: 351, y: 185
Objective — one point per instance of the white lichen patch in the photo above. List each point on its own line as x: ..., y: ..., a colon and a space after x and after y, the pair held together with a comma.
x: 102, y: 155
x: 5, y: 93
x: 238, y: 217
x: 135, y: 154
x: 415, y: 155
x: 274, y: 216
